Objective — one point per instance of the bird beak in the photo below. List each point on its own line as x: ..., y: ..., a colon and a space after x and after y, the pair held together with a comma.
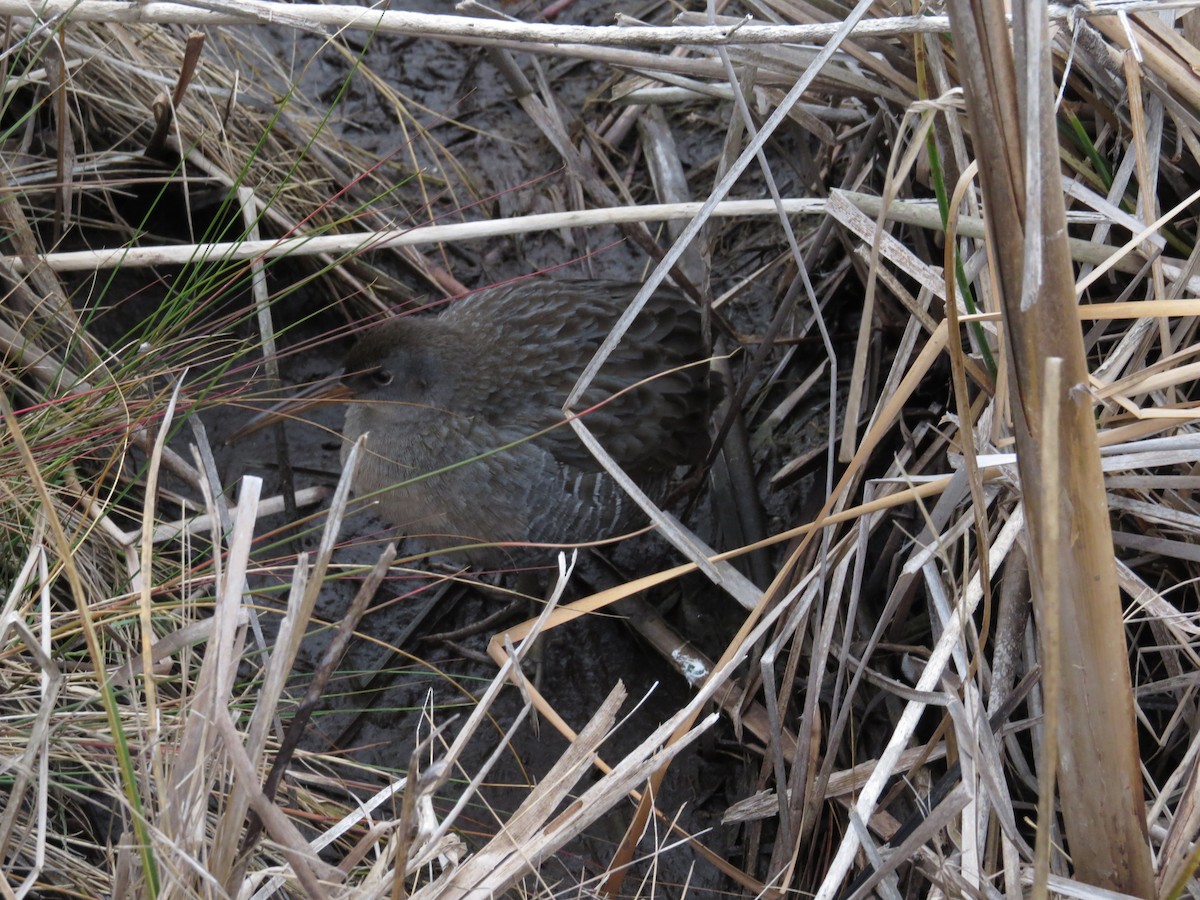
x: 330, y: 389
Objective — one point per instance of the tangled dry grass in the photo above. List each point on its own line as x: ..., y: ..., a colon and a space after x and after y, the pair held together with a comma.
x: 967, y: 668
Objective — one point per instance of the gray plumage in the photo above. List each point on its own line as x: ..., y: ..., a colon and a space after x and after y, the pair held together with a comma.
x: 479, y: 384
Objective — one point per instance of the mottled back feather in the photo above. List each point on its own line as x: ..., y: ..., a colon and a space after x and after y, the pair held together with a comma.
x: 495, y: 368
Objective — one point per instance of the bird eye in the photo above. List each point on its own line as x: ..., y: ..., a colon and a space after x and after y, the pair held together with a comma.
x: 381, y: 377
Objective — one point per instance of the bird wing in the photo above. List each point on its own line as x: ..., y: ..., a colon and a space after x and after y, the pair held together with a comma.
x: 648, y: 403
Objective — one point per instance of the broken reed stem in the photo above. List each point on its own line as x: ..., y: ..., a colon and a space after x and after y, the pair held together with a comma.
x: 1009, y: 98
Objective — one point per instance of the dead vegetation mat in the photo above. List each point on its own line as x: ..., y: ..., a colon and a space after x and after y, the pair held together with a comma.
x: 950, y: 265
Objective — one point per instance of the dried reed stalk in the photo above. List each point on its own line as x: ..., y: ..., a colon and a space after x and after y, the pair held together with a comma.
x: 1008, y: 99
